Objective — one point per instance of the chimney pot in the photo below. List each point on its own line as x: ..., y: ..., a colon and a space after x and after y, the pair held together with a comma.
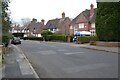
x: 63, y: 15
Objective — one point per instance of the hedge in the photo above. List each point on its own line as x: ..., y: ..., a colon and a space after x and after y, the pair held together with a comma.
x: 108, y: 21
x: 33, y: 38
x: 56, y: 37
x: 5, y: 40
x: 20, y: 35
x: 87, y: 39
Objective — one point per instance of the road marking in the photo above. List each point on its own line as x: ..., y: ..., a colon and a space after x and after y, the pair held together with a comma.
x: 85, y: 67
x: 61, y: 50
x: 73, y: 53
x: 48, y: 52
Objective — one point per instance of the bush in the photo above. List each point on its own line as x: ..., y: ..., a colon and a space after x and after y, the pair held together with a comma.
x: 33, y: 38
x: 20, y: 35
x: 57, y: 37
x: 45, y: 33
x: 108, y: 21
x: 87, y: 39
x: 5, y: 40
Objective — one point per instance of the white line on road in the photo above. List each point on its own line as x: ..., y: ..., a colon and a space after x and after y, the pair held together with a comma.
x: 73, y: 53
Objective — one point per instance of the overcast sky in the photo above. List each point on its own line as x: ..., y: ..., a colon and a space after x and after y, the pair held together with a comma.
x: 47, y: 9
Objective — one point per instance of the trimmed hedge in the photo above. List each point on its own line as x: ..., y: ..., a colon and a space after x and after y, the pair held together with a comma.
x: 56, y: 37
x: 87, y: 39
x: 20, y: 35
x: 33, y: 38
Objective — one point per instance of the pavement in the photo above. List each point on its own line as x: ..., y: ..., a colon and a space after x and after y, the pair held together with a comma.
x: 100, y: 48
x: 17, y: 65
x: 94, y: 47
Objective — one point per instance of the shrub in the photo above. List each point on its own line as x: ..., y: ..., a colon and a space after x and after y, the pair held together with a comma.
x: 20, y: 35
x: 33, y: 38
x: 87, y: 39
x: 45, y: 33
x: 57, y: 37
x: 108, y: 21
x: 5, y: 40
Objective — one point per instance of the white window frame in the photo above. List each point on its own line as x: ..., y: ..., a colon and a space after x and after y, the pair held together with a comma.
x: 93, y: 25
x: 81, y: 25
x: 71, y: 27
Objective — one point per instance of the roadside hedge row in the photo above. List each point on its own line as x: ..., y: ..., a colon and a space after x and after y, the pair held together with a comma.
x: 33, y: 38
x: 63, y: 38
x: 87, y: 39
x: 20, y: 35
x: 56, y: 37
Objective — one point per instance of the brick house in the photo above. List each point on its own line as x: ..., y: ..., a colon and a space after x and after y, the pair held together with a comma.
x: 33, y: 29
x: 85, y: 21
x: 59, y: 25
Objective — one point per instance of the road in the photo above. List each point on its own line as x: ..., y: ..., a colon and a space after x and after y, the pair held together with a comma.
x: 62, y: 60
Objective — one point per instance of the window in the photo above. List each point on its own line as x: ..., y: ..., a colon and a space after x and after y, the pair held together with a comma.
x: 93, y: 25
x: 71, y: 27
x: 81, y: 25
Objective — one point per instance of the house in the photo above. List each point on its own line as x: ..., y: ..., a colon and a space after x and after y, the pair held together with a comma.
x: 85, y: 21
x: 33, y: 29
x: 17, y: 29
x: 59, y: 25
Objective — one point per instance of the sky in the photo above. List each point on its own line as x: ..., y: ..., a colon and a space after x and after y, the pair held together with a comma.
x: 47, y: 9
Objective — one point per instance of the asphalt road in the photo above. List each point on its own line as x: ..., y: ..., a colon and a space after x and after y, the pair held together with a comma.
x: 61, y: 60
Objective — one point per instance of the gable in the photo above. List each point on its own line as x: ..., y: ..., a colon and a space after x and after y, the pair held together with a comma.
x: 81, y: 19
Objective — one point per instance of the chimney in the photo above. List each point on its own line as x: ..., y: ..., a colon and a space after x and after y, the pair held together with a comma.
x: 63, y: 15
x: 91, y: 10
x: 42, y: 21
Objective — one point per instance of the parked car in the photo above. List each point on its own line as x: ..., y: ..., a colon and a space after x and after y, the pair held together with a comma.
x: 16, y: 40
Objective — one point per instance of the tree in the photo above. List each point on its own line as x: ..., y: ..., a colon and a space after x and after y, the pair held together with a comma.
x: 34, y: 20
x: 5, y: 21
x: 25, y: 21
x: 108, y: 21
x: 45, y: 33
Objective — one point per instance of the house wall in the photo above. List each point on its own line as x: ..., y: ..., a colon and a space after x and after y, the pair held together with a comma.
x: 67, y: 26
x: 71, y: 30
x: 81, y: 19
x: 86, y: 27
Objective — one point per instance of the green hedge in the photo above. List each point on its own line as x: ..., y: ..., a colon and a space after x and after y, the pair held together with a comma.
x: 108, y: 21
x: 56, y: 37
x: 33, y: 38
x: 5, y: 40
x: 87, y: 39
x: 20, y: 35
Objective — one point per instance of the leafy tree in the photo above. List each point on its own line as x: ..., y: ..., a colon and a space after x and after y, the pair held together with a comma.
x: 108, y: 21
x: 45, y: 33
x: 5, y: 21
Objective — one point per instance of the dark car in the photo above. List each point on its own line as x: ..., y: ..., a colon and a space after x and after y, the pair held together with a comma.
x: 15, y: 40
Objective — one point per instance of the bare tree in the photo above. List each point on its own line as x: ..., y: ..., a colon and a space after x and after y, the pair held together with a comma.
x: 25, y: 21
